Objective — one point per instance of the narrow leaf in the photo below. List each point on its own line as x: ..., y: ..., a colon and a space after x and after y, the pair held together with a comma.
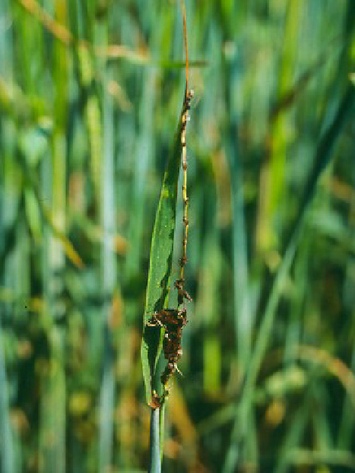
x: 160, y: 265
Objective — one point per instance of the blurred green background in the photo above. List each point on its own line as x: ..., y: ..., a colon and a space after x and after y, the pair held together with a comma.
x: 90, y: 96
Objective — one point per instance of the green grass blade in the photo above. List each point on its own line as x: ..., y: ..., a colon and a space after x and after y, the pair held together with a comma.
x: 280, y: 138
x: 52, y: 437
x: 6, y: 437
x: 108, y: 281
x: 7, y: 453
x: 292, y: 438
x: 160, y: 266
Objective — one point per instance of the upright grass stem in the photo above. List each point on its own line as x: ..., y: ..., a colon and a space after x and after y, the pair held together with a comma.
x: 169, y: 322
x: 155, y: 454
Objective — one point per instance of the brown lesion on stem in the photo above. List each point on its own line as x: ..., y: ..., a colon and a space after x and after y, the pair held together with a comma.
x: 173, y: 321
x: 179, y: 284
x: 182, y: 293
x: 185, y: 117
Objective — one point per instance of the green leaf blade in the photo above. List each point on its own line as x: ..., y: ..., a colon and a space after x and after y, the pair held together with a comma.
x: 160, y: 266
